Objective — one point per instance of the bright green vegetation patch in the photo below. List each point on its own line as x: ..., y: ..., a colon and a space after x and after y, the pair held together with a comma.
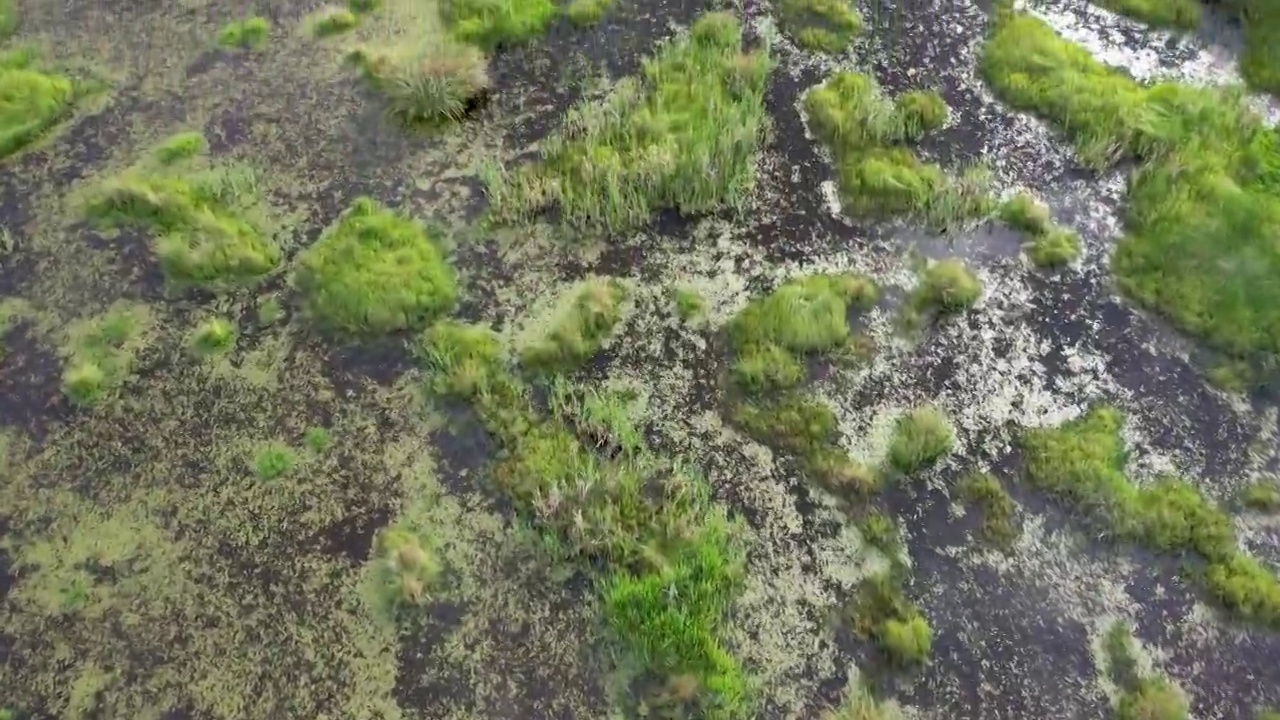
x: 1051, y: 245
x: 8, y: 18
x: 212, y: 227
x: 274, y: 460
x: 1179, y: 14
x: 1262, y: 495
x: 985, y: 492
x: 828, y: 26
x: 1260, y: 63
x: 252, y: 33
x: 946, y: 287
x: 920, y: 438
x: 579, y: 326
x: 859, y: 704
x: 1083, y: 461
x: 32, y: 102
x: 334, y: 21
x: 99, y: 352
x: 587, y: 12
x: 879, y: 175
x: 375, y: 271
x: 690, y: 304
x: 214, y: 336
x: 403, y: 570
x: 427, y: 83
x: 882, y: 612
x: 1144, y: 697
x: 683, y: 135
x: 773, y: 339
x: 668, y: 561
x: 317, y: 438
x: 492, y: 24
x: 1209, y: 169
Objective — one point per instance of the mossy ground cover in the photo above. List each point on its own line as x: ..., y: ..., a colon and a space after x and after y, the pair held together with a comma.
x: 682, y: 135
x: 669, y: 561
x: 211, y: 223
x: 880, y: 176
x: 828, y: 26
x: 1083, y: 463
x: 32, y: 101
x: 375, y: 271
x: 1207, y: 169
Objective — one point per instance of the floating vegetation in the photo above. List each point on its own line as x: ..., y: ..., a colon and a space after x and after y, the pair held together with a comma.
x: 828, y: 26
x: 1082, y: 462
x: 251, y: 33
x: 210, y: 220
x: 99, y: 352
x: 879, y: 175
x: 1207, y: 171
x: 1051, y: 245
x: 683, y: 135
x: 669, y: 561
x: 32, y: 101
x: 375, y: 271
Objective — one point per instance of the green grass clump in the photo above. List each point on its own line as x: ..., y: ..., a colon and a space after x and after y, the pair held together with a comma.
x: 828, y: 26
x: 1050, y: 246
x: 907, y: 642
x: 997, y: 508
x: 1120, y: 656
x: 1177, y: 14
x: 181, y: 146
x: 274, y: 460
x: 920, y: 438
x: 99, y: 352
x: 690, y: 305
x: 1154, y: 699
x: 493, y: 24
x: 270, y: 311
x: 209, y: 220
x: 32, y: 102
x: 425, y: 85
x: 948, y: 286
x: 879, y: 531
x: 404, y: 570
x: 1207, y: 170
x: 1262, y: 495
x: 880, y: 176
x: 587, y: 12
x: 251, y: 33
x: 859, y: 704
x: 580, y: 326
x: 881, y: 611
x: 668, y: 562
x: 334, y: 21
x: 317, y: 438
x: 8, y: 18
x: 682, y: 135
x: 1083, y: 462
x: 361, y: 7
x: 213, y: 337
x: 375, y: 271
x: 1260, y: 62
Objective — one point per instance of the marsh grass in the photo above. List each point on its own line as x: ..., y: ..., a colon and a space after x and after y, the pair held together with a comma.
x: 426, y: 83
x: 1262, y: 495
x: 211, y: 337
x: 1121, y: 656
x: 405, y: 568
x: 494, y: 24
x: 587, y: 12
x: 682, y: 135
x: 920, y: 438
x: 1082, y: 462
x: 1050, y: 245
x: 879, y: 175
x: 859, y: 704
x: 251, y: 33
x: 99, y: 352
x: 1142, y: 697
x: 828, y: 26
x: 1208, y: 168
x: 881, y: 611
x: 1176, y: 14
x: 32, y: 101
x: 666, y: 559
x: 274, y: 460
x: 998, y: 511
x: 690, y: 305
x: 211, y: 224
x: 334, y: 21
x: 582, y: 322
x: 317, y: 438
x: 375, y: 271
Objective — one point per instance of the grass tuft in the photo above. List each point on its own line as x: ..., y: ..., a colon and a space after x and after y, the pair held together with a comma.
x: 1154, y: 699
x: 334, y: 21
x: 99, y: 352
x: 683, y: 135
x: 1050, y: 246
x: 494, y: 24
x: 214, y: 336
x: 375, y: 271
x: 1176, y: 14
x: 828, y: 26
x: 690, y: 304
x: 404, y: 571
x: 274, y: 460
x: 252, y: 33
x: 581, y: 325
x: 317, y: 438
x: 859, y: 704
x: 181, y: 147
x: 1207, y: 170
x: 1262, y: 495
x: 997, y: 508
x: 1083, y: 462
x: 880, y: 610
x: 920, y: 438
x: 427, y: 85
x: 879, y: 175
x: 208, y: 219
x: 32, y: 102
x: 587, y: 12
x: 948, y: 286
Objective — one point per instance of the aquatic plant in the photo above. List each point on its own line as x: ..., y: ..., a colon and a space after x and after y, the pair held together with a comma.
x: 374, y: 271
x: 682, y: 135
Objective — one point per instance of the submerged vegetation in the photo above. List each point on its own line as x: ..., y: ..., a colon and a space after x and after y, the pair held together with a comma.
x: 1083, y: 463
x: 879, y: 175
x: 683, y: 135
x: 375, y: 271
x: 211, y: 224
x: 1208, y: 170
